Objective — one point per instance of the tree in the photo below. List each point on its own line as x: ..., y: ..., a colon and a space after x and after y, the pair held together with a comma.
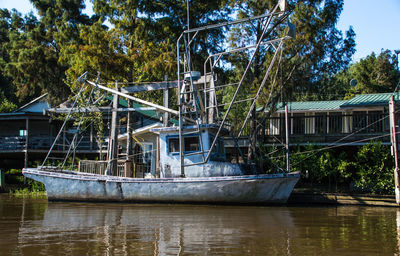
x: 7, y: 88
x: 301, y: 70
x: 140, y: 46
x: 163, y: 21
x: 310, y: 61
x: 319, y: 51
x: 34, y: 47
x: 375, y: 74
x: 29, y: 62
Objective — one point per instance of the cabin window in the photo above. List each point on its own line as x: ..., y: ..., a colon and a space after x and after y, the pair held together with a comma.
x: 347, y: 122
x: 218, y: 151
x: 375, y: 121
x: 219, y: 146
x: 309, y: 123
x: 190, y: 144
x: 173, y: 145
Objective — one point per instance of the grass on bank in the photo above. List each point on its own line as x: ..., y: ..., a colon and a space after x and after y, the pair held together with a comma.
x: 19, y: 186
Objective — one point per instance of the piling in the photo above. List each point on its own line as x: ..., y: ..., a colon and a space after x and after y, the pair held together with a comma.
x: 2, y: 181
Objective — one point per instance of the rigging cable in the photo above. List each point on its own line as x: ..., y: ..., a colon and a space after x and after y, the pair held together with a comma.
x: 344, y: 144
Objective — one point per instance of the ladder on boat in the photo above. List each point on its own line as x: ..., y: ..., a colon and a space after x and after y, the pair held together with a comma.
x: 191, y: 114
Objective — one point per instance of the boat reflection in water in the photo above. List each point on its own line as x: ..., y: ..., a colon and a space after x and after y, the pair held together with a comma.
x: 142, y: 229
x: 155, y: 229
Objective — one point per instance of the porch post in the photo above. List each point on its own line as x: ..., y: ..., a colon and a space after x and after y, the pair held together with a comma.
x: 393, y: 133
x: 26, y: 142
x: 287, y: 138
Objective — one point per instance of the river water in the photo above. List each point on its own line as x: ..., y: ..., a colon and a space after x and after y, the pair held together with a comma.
x: 37, y: 227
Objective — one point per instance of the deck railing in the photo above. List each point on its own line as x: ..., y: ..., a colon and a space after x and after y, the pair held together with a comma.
x: 124, y: 168
x: 344, y: 128
x: 42, y: 142
x: 100, y: 167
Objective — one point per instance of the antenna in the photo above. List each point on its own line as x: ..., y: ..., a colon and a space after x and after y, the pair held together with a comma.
x: 187, y: 14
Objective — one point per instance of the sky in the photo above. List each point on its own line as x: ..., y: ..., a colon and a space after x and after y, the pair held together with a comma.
x: 376, y: 23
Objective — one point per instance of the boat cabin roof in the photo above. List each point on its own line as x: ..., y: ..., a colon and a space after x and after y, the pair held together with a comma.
x: 175, y: 129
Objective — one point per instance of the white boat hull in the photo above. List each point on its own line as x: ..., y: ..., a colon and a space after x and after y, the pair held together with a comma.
x: 249, y: 189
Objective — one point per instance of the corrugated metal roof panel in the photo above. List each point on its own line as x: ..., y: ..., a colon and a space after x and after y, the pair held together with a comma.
x: 376, y: 99
x: 150, y: 113
x: 313, y: 105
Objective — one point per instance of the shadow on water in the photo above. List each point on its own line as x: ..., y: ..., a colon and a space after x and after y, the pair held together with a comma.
x: 36, y: 227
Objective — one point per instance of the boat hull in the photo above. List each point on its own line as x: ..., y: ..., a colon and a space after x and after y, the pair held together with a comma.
x: 251, y: 189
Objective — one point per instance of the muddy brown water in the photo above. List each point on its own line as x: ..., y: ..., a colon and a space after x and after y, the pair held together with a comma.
x: 37, y: 227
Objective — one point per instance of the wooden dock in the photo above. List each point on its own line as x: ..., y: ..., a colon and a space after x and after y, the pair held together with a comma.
x: 305, y: 198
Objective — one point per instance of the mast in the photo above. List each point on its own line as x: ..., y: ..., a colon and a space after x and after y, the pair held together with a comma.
x: 191, y: 105
x: 287, y: 139
x: 112, y: 166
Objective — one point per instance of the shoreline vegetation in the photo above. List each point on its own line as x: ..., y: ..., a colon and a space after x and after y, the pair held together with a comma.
x: 18, y: 186
x: 26, y: 192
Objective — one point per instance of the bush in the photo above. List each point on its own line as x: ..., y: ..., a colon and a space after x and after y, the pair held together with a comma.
x: 365, y: 169
x: 375, y: 167
x: 15, y: 178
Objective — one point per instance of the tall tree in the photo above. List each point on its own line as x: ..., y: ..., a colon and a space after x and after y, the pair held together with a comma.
x: 376, y: 74
x: 139, y: 22
x: 7, y: 88
x: 34, y: 48
x: 24, y: 56
x: 319, y: 51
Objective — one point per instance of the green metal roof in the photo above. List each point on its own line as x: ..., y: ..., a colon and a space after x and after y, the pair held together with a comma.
x: 376, y: 99
x: 149, y: 113
x: 313, y: 105
x: 360, y: 100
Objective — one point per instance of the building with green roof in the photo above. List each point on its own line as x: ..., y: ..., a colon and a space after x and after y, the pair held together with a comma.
x: 356, y: 121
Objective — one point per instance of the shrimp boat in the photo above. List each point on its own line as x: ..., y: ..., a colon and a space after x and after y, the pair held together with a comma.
x: 186, y: 159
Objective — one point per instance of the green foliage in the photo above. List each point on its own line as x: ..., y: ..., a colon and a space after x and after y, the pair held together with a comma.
x: 22, y: 186
x: 36, y: 189
x: 374, y: 74
x: 5, y: 104
x: 375, y: 169
x: 363, y: 169
x: 14, y: 176
x: 48, y: 53
x: 33, y: 47
x: 319, y: 51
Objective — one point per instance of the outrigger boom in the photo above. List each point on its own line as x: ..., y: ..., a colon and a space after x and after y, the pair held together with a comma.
x: 144, y: 102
